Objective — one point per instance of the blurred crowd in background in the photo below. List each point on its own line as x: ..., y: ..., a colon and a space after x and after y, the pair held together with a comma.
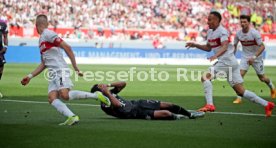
x: 188, y: 17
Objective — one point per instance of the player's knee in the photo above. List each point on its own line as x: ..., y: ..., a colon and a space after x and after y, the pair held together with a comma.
x: 64, y: 96
x: 239, y: 92
x: 203, y: 79
x: 262, y: 79
x: 206, y: 77
x: 239, y: 89
x: 166, y: 113
x: 51, y: 99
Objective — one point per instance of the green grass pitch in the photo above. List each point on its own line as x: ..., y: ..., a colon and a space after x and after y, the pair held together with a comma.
x: 36, y: 125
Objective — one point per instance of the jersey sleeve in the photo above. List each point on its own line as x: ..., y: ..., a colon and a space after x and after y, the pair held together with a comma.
x: 257, y: 37
x: 224, y: 36
x: 52, y: 37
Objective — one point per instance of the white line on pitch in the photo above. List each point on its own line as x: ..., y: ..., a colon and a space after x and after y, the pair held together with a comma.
x: 40, y: 102
x: 80, y: 104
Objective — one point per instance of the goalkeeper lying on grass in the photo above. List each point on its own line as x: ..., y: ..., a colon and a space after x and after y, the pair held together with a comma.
x: 140, y: 109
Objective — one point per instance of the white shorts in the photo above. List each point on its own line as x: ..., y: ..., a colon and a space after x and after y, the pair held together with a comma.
x: 257, y: 65
x: 60, y: 82
x: 232, y: 73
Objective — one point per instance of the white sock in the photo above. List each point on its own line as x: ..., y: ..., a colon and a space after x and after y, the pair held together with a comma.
x: 62, y: 108
x: 270, y: 85
x: 208, y: 90
x: 239, y: 97
x: 254, y: 98
x: 76, y: 94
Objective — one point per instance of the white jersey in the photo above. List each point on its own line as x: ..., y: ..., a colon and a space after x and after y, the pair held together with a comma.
x: 50, y: 51
x: 215, y: 38
x: 250, y: 41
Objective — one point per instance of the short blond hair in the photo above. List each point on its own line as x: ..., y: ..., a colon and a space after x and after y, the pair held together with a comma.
x: 42, y: 20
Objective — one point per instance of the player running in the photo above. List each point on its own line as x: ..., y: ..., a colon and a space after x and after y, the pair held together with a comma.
x: 140, y: 109
x: 252, y: 49
x: 60, y: 85
x: 3, y: 47
x: 217, y: 37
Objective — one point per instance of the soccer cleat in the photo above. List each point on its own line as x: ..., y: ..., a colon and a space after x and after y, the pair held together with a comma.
x: 273, y: 93
x: 103, y: 98
x: 268, y: 109
x: 237, y: 101
x: 71, y: 120
x: 196, y: 115
x: 207, y: 108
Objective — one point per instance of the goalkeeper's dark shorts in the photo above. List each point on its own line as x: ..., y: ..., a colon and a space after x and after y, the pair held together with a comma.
x: 144, y: 109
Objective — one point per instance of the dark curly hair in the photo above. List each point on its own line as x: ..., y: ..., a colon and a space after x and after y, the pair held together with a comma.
x: 95, y: 88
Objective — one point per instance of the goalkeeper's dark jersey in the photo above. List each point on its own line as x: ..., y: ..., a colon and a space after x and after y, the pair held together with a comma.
x: 132, y: 109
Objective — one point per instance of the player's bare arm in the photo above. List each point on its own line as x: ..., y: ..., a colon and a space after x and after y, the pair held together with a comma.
x: 223, y: 49
x: 260, y: 50
x: 206, y: 47
x: 36, y: 72
x: 118, y: 85
x: 258, y: 53
x: 68, y: 50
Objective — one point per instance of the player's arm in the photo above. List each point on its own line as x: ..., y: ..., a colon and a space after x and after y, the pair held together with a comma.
x: 117, y: 86
x: 36, y: 72
x: 205, y: 47
x: 223, y: 49
x: 5, y: 41
x: 258, y: 39
x: 114, y: 101
x: 68, y: 50
x: 260, y: 50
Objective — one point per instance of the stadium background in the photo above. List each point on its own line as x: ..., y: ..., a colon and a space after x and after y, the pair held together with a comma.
x: 126, y: 34
x: 119, y: 27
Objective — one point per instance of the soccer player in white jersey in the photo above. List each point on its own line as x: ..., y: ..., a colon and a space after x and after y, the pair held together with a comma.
x: 60, y: 85
x: 252, y: 49
x: 217, y: 37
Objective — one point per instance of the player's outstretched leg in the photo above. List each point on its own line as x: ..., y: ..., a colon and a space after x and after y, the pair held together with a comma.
x: 180, y: 110
x: 166, y: 115
x: 254, y: 98
x: 76, y: 95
